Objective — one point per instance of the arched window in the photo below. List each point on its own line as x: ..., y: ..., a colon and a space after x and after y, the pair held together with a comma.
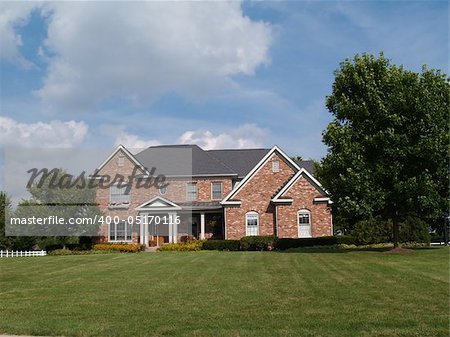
x: 304, y: 223
x: 251, y: 224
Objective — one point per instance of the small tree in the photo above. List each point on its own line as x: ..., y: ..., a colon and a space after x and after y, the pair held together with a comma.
x: 388, y: 143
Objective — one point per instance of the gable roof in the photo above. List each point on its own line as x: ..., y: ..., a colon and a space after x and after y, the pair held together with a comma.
x: 256, y: 168
x: 158, y: 204
x: 130, y: 156
x: 279, y: 196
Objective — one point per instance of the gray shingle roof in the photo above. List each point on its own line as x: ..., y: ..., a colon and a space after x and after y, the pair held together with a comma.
x: 181, y: 160
x: 187, y: 160
x: 241, y: 161
x: 308, y: 165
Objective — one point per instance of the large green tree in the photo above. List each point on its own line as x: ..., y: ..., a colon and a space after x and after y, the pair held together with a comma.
x: 388, y: 144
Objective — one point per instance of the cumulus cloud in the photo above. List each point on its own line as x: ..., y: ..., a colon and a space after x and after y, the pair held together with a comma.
x: 55, y: 134
x: 246, y: 136
x: 140, y: 50
x: 133, y: 142
x: 12, y: 16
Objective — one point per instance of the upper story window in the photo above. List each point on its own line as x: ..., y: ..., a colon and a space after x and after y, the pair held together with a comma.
x: 119, y: 194
x: 252, y: 224
x: 191, y: 190
x: 120, y: 160
x: 275, y: 166
x: 216, y: 191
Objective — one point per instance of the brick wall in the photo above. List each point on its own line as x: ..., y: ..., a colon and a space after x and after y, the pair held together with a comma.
x: 176, y: 191
x: 256, y: 196
x: 303, y: 193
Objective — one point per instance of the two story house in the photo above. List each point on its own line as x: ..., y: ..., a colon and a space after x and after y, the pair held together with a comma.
x: 174, y: 192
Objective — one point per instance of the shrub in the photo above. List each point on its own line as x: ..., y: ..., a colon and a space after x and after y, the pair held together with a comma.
x: 372, y: 231
x: 283, y: 244
x: 182, y: 246
x: 50, y: 248
x: 230, y: 245
x: 120, y: 247
x: 63, y: 252
x: 414, y: 230
x: 378, y: 231
x: 257, y: 242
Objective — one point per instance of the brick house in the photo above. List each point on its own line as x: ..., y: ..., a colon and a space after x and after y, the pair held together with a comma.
x: 215, y: 194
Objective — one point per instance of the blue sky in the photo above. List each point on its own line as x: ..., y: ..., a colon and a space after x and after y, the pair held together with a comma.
x: 223, y: 75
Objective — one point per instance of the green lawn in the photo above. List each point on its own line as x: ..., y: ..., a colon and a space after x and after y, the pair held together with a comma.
x: 228, y: 294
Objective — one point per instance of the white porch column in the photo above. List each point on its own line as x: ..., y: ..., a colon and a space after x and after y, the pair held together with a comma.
x: 174, y: 226
x: 170, y: 232
x: 141, y: 229
x: 202, y: 226
x: 145, y: 230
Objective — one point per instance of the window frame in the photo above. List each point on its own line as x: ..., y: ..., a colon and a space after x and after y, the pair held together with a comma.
x: 256, y: 216
x: 125, y: 203
x: 188, y: 192
x: 212, y: 190
x: 128, y: 229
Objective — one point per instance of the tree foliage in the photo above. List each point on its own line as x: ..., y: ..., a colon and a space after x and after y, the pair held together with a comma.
x: 388, y: 143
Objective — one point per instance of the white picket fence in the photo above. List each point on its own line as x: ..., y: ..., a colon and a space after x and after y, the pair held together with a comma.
x: 20, y: 253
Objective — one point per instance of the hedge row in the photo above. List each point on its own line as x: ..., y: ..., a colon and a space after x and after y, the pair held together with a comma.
x: 262, y: 243
x: 119, y: 247
x: 283, y: 244
x: 230, y: 245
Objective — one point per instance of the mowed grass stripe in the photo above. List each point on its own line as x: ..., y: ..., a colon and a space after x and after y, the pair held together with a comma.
x: 227, y: 294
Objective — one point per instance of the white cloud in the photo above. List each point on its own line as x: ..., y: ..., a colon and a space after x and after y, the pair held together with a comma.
x: 246, y: 136
x: 13, y: 15
x: 133, y: 142
x: 139, y: 50
x: 55, y: 134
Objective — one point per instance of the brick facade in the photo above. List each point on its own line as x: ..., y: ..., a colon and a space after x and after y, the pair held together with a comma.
x: 277, y: 219
x: 255, y: 195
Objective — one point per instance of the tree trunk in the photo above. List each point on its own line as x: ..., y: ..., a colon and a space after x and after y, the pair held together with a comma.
x: 396, y: 232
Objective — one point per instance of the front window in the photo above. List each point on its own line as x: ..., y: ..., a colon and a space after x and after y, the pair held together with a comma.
x: 192, y: 191
x: 120, y: 194
x: 216, y: 190
x: 252, y: 223
x: 120, y: 231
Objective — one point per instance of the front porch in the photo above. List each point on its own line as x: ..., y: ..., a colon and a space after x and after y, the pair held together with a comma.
x: 163, y: 221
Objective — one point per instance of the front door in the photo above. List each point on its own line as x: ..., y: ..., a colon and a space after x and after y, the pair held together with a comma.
x: 304, y: 224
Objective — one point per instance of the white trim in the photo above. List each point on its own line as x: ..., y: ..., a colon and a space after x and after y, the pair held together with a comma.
x: 257, y: 223
x: 128, y: 154
x: 115, y: 231
x: 291, y: 182
x: 172, y: 206
x: 193, y: 183
x: 255, y: 169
